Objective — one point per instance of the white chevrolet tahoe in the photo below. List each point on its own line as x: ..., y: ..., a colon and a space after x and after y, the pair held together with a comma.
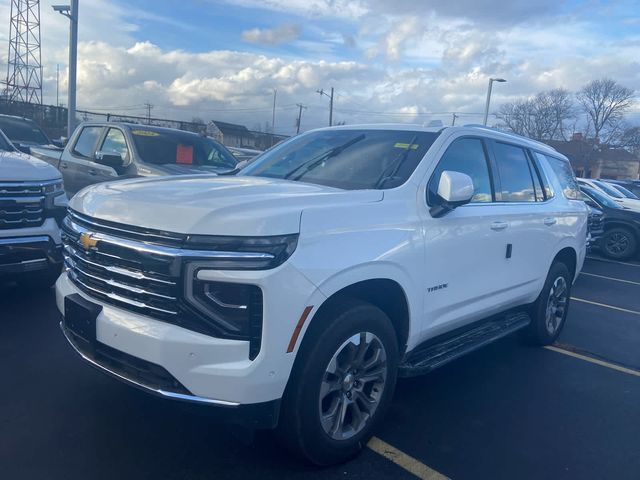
x: 32, y: 204
x: 294, y: 294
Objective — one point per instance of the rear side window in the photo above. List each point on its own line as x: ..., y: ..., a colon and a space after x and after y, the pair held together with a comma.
x: 86, y: 143
x: 515, y: 174
x: 465, y: 155
x: 114, y: 142
x: 567, y: 179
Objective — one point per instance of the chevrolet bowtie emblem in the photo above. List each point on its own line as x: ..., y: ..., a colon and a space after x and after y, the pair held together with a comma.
x: 87, y: 241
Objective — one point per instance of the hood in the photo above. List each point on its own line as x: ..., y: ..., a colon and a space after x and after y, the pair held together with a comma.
x: 20, y: 167
x: 175, y: 169
x: 213, y: 205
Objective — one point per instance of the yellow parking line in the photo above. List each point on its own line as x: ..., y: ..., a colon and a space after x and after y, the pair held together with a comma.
x: 403, y: 460
x: 613, y: 261
x: 610, y: 278
x: 604, y: 305
x: 602, y: 363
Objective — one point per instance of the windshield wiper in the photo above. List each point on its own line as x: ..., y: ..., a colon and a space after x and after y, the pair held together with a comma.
x: 394, y: 166
x: 314, y: 162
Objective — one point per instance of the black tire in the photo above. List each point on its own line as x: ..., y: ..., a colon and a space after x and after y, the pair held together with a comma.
x: 300, y: 426
x: 41, y: 280
x: 544, y: 330
x: 618, y: 243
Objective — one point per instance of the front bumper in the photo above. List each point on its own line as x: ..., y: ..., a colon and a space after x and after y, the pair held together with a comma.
x: 212, y: 371
x: 29, y: 252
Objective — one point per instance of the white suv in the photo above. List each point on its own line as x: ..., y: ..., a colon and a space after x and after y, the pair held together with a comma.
x: 32, y: 202
x: 293, y: 294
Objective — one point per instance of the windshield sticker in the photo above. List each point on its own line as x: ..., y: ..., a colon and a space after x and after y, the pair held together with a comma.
x: 414, y: 146
x: 184, y: 154
x: 145, y: 133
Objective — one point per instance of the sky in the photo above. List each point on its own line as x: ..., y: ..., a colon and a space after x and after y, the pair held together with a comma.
x: 388, y: 60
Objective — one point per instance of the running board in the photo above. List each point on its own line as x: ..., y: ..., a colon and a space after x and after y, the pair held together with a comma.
x: 436, y: 353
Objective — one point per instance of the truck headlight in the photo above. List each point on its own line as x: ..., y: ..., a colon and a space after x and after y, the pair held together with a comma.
x: 55, y: 188
x: 244, y: 253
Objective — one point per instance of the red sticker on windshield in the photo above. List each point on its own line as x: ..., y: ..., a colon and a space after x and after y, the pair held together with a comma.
x: 184, y: 154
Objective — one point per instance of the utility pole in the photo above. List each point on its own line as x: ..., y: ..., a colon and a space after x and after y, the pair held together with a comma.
x: 453, y: 120
x: 273, y: 115
x: 57, y: 84
x: 71, y: 12
x: 149, y: 107
x: 322, y: 92
x: 300, y: 106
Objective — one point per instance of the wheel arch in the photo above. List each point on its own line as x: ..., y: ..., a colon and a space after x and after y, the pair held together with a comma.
x: 568, y: 256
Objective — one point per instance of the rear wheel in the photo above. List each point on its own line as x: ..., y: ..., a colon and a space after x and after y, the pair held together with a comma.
x: 549, y: 312
x: 619, y: 243
x: 342, y: 383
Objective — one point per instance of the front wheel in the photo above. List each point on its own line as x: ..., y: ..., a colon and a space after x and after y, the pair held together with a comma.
x: 618, y: 243
x: 342, y: 383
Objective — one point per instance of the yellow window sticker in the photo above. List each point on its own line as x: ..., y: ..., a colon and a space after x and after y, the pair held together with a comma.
x: 145, y: 133
x: 414, y: 146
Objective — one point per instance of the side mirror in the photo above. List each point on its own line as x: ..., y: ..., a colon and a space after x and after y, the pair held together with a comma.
x: 23, y: 148
x: 59, y: 142
x: 110, y: 159
x: 454, y: 190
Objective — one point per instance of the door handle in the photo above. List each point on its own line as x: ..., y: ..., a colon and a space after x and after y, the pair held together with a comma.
x: 550, y: 221
x: 93, y: 171
x: 64, y: 165
x: 499, y: 225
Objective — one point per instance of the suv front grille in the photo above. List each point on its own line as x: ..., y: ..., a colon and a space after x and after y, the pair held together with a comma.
x: 21, y: 205
x: 596, y: 223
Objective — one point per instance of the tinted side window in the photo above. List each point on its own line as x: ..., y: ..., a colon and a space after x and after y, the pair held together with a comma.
x: 465, y: 155
x: 516, y: 182
x: 565, y: 175
x: 114, y: 142
x: 86, y: 143
x: 536, y: 182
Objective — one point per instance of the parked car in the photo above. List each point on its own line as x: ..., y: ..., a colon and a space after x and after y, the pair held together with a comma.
x: 621, y: 225
x: 246, y: 155
x: 632, y: 185
x: 294, y: 294
x: 596, y: 225
x: 32, y: 203
x: 24, y: 133
x: 611, y: 192
x: 98, y: 152
x: 623, y: 190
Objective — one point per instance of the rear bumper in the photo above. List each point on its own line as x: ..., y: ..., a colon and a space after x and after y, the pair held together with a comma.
x: 26, y: 254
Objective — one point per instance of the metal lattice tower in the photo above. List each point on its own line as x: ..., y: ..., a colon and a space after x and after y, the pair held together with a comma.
x: 24, y: 69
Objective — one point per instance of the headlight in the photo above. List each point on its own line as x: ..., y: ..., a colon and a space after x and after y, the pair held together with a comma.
x: 244, y: 253
x: 54, y: 189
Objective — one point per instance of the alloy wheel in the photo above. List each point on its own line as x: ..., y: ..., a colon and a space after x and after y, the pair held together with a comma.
x: 617, y: 244
x: 556, y: 305
x: 352, y: 386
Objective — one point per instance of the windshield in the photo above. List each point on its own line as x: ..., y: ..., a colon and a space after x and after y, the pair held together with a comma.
x: 609, y: 190
x: 600, y: 198
x: 625, y: 192
x: 4, y: 145
x: 347, y: 159
x: 23, y: 131
x: 162, y: 147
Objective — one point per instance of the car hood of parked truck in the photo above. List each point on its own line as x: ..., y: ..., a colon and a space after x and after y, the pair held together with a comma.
x: 20, y: 167
x: 213, y: 205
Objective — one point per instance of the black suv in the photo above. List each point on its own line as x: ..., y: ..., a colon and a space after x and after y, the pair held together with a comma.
x: 621, y: 225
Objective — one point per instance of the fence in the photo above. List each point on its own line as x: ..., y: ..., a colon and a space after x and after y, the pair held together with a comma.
x: 53, y: 121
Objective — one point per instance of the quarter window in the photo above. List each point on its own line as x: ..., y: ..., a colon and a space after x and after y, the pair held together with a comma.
x: 86, y: 143
x: 465, y: 155
x: 516, y: 180
x: 564, y: 173
x: 114, y: 142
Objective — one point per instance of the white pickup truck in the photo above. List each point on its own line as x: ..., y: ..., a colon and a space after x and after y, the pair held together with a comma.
x: 294, y: 294
x: 32, y: 203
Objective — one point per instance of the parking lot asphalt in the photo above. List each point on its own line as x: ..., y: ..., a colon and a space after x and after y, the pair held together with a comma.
x: 507, y: 411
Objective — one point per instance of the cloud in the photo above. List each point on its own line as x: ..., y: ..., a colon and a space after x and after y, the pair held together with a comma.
x: 282, y: 34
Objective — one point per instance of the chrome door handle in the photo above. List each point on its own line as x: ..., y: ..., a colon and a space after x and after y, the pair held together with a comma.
x: 64, y: 165
x: 499, y: 225
x: 550, y: 221
x: 93, y: 172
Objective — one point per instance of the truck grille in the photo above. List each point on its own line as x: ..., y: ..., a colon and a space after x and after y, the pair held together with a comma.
x: 596, y: 223
x: 122, y: 272
x: 21, y: 205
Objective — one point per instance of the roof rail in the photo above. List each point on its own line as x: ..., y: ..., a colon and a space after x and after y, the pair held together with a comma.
x: 493, y: 129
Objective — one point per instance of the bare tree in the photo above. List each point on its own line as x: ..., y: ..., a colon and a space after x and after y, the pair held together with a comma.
x: 605, y: 102
x: 542, y: 117
x: 630, y: 139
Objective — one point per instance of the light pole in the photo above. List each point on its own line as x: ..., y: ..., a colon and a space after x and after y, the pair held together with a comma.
x: 71, y: 12
x: 322, y: 92
x: 486, y: 107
